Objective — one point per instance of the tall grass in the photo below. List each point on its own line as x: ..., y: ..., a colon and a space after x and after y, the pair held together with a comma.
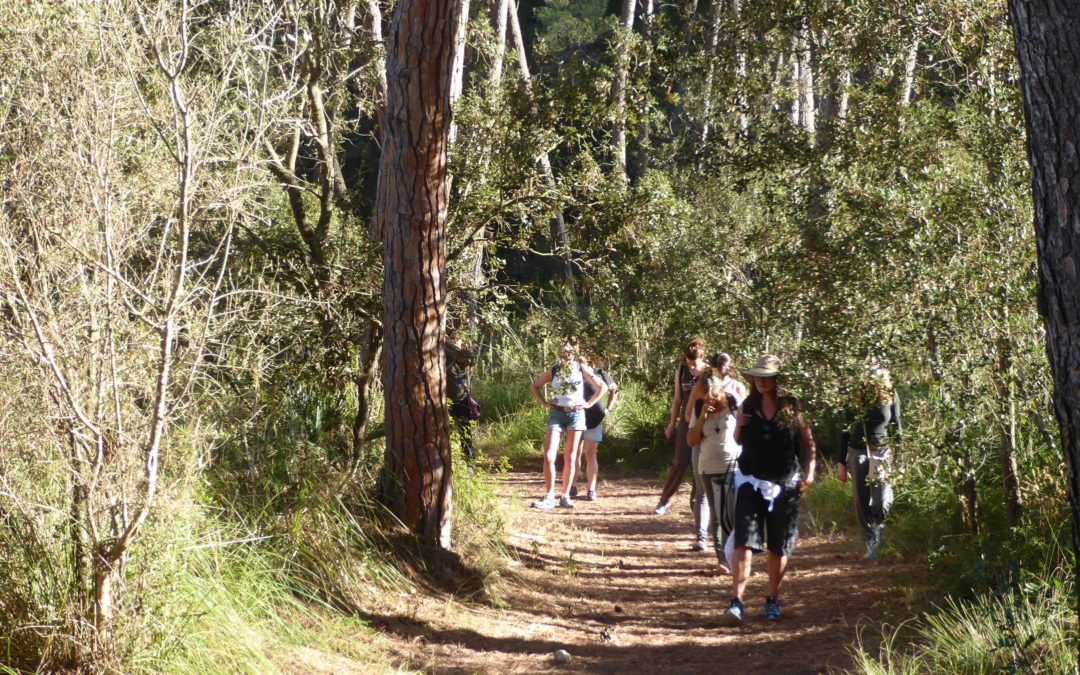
x: 1032, y: 630
x: 236, y: 604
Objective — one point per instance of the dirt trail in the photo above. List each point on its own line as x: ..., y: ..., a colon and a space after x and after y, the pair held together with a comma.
x: 621, y: 591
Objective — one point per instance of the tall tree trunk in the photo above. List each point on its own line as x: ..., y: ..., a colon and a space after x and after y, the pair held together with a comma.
x: 741, y: 68
x: 912, y: 60
x: 909, y: 73
x: 1045, y: 32
x: 500, y: 10
x: 1005, y: 410
x: 560, y: 243
x: 639, y: 159
x: 373, y: 23
x: 804, y: 85
x: 414, y: 191
x: 622, y: 67
x: 710, y: 70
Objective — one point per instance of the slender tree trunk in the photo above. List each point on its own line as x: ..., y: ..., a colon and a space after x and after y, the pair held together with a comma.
x: 1006, y: 412
x: 414, y: 190
x: 639, y: 159
x: 710, y: 70
x: 909, y: 73
x: 560, y: 243
x: 845, y: 94
x: 804, y: 68
x: 500, y: 9
x: 457, y: 68
x: 1045, y: 32
x: 618, y: 136
x: 741, y: 68
x: 373, y: 23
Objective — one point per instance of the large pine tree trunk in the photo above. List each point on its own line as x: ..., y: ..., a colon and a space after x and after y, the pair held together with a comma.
x: 1049, y: 55
x: 414, y: 190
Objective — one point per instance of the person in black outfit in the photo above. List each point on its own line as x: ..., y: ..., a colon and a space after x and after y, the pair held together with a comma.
x: 594, y: 428
x: 772, y: 430
x: 867, y: 457
x: 463, y: 409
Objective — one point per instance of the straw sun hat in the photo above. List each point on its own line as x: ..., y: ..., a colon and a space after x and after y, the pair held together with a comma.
x: 766, y: 366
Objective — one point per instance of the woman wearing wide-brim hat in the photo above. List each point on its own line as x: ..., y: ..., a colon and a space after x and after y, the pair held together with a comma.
x: 774, y: 435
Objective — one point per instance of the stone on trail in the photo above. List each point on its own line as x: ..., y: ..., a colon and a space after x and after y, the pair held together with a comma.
x: 561, y: 656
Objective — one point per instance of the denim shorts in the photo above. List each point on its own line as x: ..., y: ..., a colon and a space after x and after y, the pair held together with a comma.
x: 596, y: 434
x: 560, y: 420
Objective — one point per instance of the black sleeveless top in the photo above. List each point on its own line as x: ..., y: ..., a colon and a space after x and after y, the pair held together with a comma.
x: 686, y: 379
x: 769, y: 451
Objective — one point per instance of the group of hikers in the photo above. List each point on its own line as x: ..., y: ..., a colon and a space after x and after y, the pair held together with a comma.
x: 752, y: 452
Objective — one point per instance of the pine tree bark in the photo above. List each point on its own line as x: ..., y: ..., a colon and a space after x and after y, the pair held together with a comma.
x: 414, y: 190
x: 1045, y: 33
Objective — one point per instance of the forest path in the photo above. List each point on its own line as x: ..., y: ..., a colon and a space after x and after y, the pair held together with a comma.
x: 619, y: 589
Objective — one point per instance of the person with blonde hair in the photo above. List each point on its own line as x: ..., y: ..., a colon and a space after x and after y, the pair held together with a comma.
x: 867, y: 455
x: 566, y: 416
x: 774, y: 436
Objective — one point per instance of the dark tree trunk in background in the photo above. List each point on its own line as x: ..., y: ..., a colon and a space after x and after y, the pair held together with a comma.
x: 1049, y: 55
x: 412, y: 203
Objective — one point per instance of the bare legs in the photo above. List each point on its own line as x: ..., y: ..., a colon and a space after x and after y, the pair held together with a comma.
x: 570, y: 460
x: 777, y: 565
x: 592, y: 468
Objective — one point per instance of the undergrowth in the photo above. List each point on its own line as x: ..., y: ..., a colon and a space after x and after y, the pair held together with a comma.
x: 1028, y: 630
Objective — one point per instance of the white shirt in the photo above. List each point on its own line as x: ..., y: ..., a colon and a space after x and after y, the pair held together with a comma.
x: 718, y: 447
x: 568, y: 383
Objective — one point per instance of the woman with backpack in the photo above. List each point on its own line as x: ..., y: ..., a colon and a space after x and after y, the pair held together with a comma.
x: 566, y: 416
x: 774, y: 436
x: 594, y: 427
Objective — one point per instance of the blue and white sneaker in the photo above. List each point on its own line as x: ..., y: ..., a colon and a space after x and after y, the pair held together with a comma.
x: 734, y: 614
x: 772, y: 609
x: 662, y: 509
x: 566, y: 503
x: 547, y: 502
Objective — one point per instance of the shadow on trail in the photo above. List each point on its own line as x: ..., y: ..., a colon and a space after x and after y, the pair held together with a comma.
x: 617, y: 587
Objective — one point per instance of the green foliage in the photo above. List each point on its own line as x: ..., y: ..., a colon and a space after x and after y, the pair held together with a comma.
x: 569, y: 25
x: 897, y: 227
x: 1032, y: 630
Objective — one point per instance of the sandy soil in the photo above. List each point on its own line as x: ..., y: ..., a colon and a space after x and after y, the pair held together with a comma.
x: 620, y: 589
